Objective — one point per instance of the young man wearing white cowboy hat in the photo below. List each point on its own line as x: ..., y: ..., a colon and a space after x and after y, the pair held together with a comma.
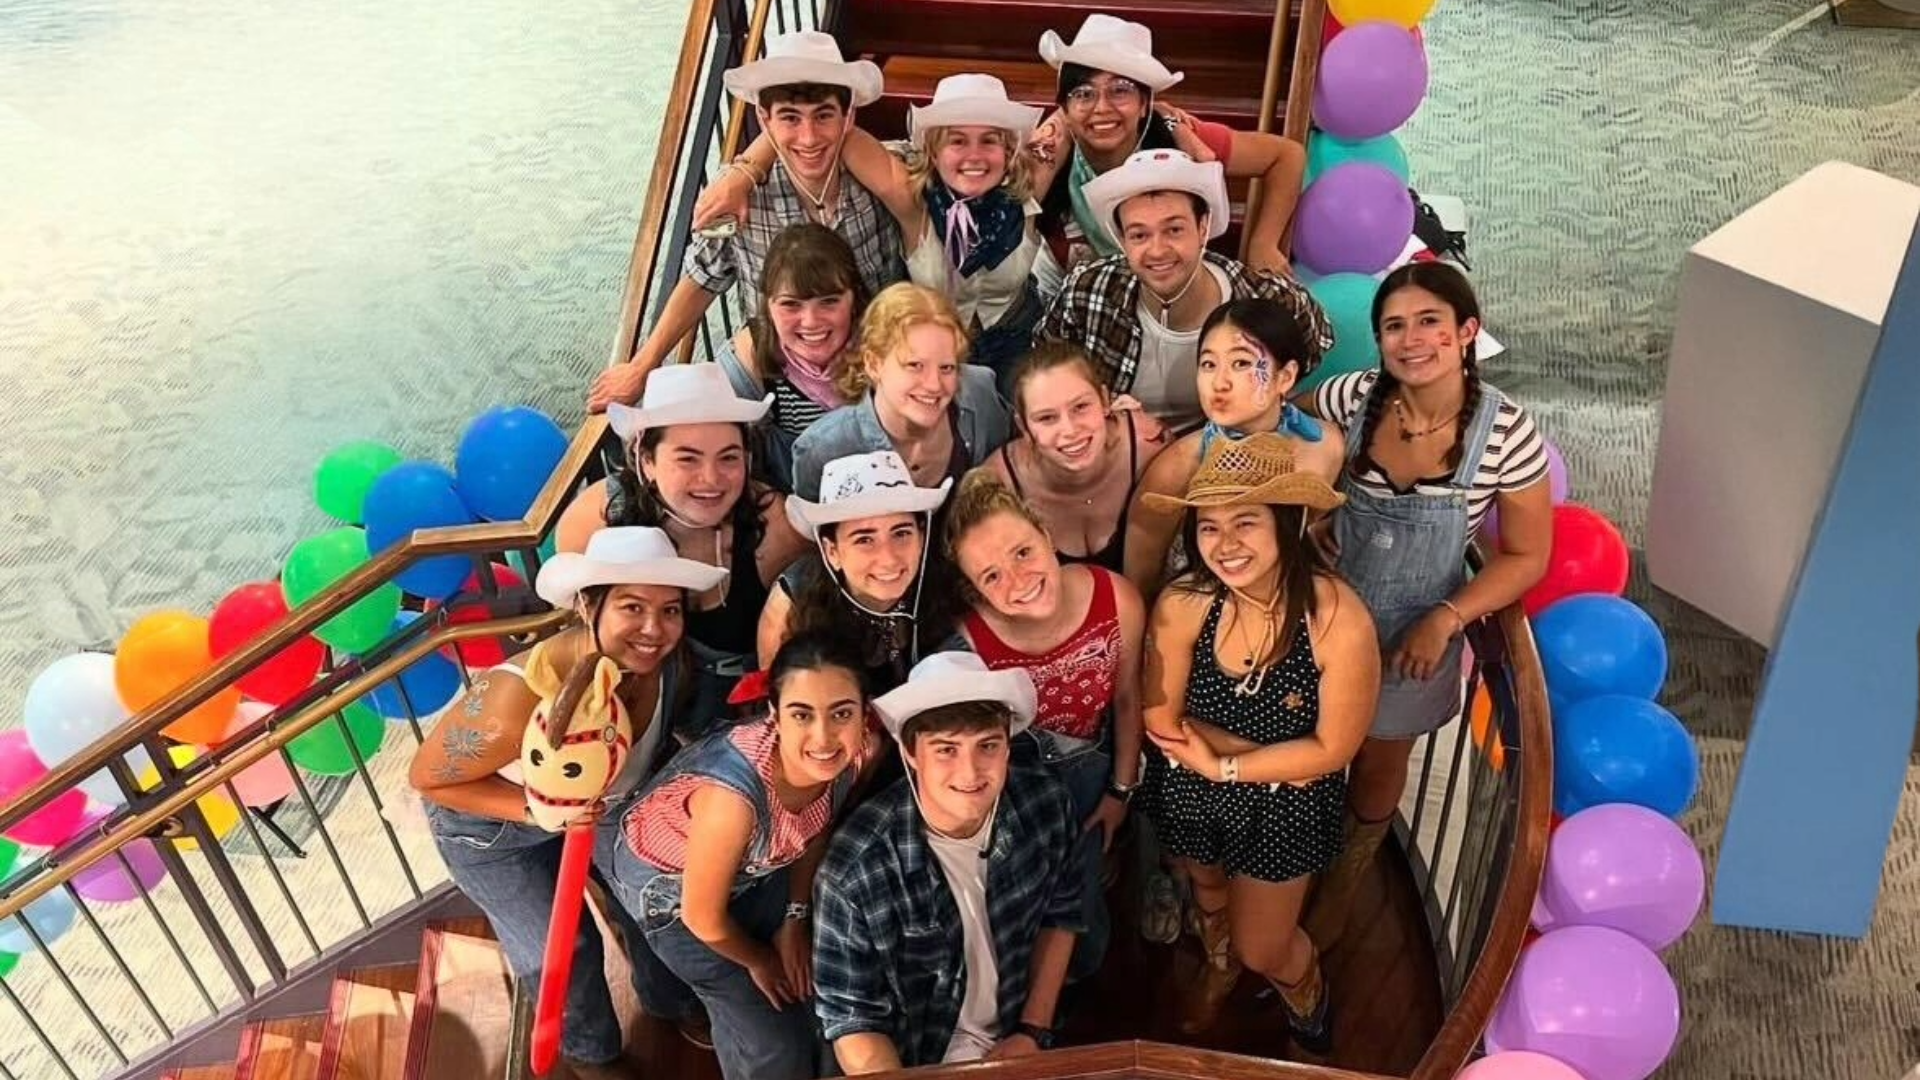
x: 1109, y: 82
x: 1138, y: 314
x: 805, y: 95
x: 947, y: 906
x: 630, y: 591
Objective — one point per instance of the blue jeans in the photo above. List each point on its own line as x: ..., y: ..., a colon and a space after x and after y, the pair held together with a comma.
x: 510, y: 869
x: 752, y: 1039
x: 1085, y: 774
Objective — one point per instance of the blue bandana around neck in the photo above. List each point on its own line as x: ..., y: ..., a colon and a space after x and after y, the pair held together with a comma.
x: 976, y: 233
x: 1293, y: 422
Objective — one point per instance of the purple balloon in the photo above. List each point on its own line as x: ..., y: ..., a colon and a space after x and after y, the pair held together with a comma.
x: 1558, y: 489
x: 1356, y: 218
x: 107, y: 882
x: 1371, y: 80
x: 1593, y: 998
x: 1626, y: 867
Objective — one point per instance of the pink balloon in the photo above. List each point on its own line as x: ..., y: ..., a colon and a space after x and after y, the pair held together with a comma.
x: 1518, y: 1065
x: 107, y: 881
x: 269, y: 780
x: 53, y: 823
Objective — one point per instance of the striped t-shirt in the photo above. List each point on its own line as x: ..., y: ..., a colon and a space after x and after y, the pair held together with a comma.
x: 793, y: 411
x: 1516, y: 455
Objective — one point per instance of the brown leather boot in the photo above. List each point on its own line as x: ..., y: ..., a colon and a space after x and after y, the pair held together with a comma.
x: 1309, y: 1009
x: 1218, y: 976
x: 1332, y: 899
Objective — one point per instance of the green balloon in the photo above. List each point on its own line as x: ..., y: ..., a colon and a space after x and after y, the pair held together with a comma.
x: 319, y: 561
x: 323, y: 749
x: 1324, y: 152
x: 9, y: 851
x: 7, y: 962
x: 340, y: 484
x: 1348, y: 302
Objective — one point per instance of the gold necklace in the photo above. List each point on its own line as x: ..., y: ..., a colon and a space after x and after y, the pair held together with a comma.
x: 1256, y: 677
x: 1407, y: 434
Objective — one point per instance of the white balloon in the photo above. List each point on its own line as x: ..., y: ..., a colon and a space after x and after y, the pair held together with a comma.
x: 70, y: 704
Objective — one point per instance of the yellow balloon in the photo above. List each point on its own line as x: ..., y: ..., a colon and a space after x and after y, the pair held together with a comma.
x: 222, y: 815
x: 1407, y: 13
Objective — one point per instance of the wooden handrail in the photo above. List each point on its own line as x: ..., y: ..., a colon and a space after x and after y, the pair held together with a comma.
x: 1125, y: 1060
x: 144, y: 822
x: 1306, y: 68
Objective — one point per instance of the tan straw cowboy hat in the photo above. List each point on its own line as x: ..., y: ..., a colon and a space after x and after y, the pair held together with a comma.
x: 1251, y: 471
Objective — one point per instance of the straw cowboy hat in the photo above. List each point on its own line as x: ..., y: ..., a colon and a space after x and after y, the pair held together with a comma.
x: 1255, y: 470
x: 622, y: 555
x: 967, y: 100
x: 1105, y: 43
x: 950, y: 678
x: 804, y: 56
x: 686, y: 394
x: 1161, y: 170
x: 863, y: 486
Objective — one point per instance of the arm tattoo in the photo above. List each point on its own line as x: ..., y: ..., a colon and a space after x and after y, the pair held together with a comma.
x: 463, y: 739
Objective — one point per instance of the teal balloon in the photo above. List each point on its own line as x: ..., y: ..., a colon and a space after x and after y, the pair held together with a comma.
x: 1324, y: 152
x: 1348, y: 302
x: 546, y: 549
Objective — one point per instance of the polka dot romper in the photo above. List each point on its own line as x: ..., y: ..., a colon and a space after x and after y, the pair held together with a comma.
x: 1271, y: 832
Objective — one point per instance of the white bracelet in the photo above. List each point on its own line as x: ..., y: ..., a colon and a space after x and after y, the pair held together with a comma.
x: 1230, y: 769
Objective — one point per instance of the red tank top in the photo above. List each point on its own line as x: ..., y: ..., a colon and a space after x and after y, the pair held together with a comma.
x: 1075, y: 679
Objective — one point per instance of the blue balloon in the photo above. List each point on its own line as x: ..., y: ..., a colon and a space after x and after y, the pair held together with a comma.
x: 1620, y: 749
x: 429, y: 683
x: 505, y: 458
x: 1347, y: 299
x: 1595, y: 644
x: 1325, y: 151
x: 52, y: 915
x: 418, y: 495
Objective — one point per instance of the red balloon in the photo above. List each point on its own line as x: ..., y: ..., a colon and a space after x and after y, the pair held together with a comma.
x: 480, y: 652
x: 1589, y: 556
x: 242, y: 616
x: 1332, y: 28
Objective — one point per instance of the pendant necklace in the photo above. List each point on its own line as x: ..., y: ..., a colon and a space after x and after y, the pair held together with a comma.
x: 1256, y: 677
x: 1407, y: 434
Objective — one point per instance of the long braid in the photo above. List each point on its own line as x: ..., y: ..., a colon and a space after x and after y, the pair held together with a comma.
x: 1469, y: 405
x: 1385, y: 386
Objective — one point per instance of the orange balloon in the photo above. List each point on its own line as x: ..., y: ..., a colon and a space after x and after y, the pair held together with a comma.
x: 1486, y: 734
x: 161, y: 653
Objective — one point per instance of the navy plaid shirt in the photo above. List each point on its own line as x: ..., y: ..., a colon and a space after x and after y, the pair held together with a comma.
x: 887, y: 950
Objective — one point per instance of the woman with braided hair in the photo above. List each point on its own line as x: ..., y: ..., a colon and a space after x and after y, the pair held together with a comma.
x: 1430, y: 448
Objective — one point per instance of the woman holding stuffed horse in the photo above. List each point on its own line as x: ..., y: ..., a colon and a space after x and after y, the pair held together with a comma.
x: 614, y: 678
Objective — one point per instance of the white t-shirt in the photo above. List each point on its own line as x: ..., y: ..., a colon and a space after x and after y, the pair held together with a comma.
x: 1166, y: 380
x: 966, y: 870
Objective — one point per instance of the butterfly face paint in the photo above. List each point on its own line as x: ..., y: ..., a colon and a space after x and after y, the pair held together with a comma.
x: 1263, y: 367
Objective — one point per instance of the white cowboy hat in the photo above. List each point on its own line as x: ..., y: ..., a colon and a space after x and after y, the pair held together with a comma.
x: 963, y: 100
x: 1161, y: 170
x: 686, y: 394
x: 804, y: 56
x: 863, y: 486
x: 1105, y: 43
x: 949, y: 678
x: 622, y: 555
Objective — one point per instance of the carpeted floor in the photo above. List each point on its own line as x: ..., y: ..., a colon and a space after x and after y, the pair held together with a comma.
x: 1594, y: 141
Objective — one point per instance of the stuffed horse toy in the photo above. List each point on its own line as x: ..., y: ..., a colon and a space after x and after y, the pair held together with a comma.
x: 575, y: 745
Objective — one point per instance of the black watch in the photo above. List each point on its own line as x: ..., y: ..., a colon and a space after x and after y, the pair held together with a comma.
x: 1041, y: 1036
x: 1124, y: 794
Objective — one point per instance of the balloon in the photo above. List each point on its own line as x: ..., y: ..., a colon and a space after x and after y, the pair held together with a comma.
x: 246, y: 613
x: 215, y: 806
x: 268, y: 780
x: 1618, y: 749
x: 1355, y: 218
x: 1592, y: 998
x: 107, y: 881
x: 505, y: 458
x: 70, y: 705
x: 1589, y: 556
x: 418, y: 495
x: 1404, y: 13
x: 546, y: 549
x: 53, y: 823
x: 340, y: 485
x: 1518, y: 1065
x: 51, y: 916
x: 1331, y: 27
x: 160, y: 654
x: 323, y: 749
x: 1371, y: 80
x: 1597, y: 644
x: 427, y: 684
x: 1558, y: 488
x: 319, y: 561
x: 1348, y: 301
x: 1324, y: 152
x: 1626, y: 867
x: 481, y: 652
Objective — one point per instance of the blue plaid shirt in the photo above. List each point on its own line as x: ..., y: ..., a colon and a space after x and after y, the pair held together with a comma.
x: 887, y: 949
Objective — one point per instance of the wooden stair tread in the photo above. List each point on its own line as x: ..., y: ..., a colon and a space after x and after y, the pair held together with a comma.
x: 370, y: 1019
x: 201, y: 1072
x: 913, y: 76
x: 462, y: 1007
x: 282, y: 1048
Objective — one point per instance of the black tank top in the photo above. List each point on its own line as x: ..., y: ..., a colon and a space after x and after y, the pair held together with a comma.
x: 1113, y: 555
x: 731, y: 627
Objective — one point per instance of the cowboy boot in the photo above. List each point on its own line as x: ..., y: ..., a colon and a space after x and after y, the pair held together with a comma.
x: 1218, y: 977
x: 1332, y: 899
x: 1309, y: 1007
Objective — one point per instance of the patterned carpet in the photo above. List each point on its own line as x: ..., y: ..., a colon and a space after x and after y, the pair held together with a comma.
x: 236, y: 234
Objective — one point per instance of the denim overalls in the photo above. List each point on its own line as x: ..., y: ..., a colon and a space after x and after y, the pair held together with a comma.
x: 1404, y: 554
x: 1084, y: 767
x: 751, y: 1038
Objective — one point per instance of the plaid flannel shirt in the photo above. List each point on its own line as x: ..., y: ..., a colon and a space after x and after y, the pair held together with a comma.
x: 1098, y: 308
x: 887, y: 950
x: 717, y: 264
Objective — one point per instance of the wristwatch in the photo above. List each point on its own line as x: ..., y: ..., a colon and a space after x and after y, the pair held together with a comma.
x: 1123, y: 792
x: 1042, y: 1036
x: 798, y: 910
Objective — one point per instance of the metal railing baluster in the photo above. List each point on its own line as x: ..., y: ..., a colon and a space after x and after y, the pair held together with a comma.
x: 195, y: 825
x: 379, y: 811
x: 60, y: 973
x: 39, y: 1032
x: 1461, y: 738
x: 273, y: 869
x: 113, y: 953
x: 160, y: 922
x: 326, y: 841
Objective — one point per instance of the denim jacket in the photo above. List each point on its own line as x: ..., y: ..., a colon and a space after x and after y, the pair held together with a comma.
x: 985, y: 425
